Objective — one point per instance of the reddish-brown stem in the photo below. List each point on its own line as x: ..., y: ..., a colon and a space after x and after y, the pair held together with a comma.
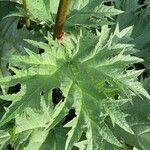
x: 61, y: 18
x: 27, y: 20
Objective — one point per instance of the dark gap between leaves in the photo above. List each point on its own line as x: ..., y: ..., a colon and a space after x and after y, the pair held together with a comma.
x: 14, y: 89
x: 108, y: 3
x: 57, y: 96
x: 107, y: 84
x: 42, y: 93
x: 139, y: 66
x: 71, y: 114
x: 142, y: 2
x: 10, y: 147
x: 20, y: 23
x: 116, y: 96
x: 5, y: 103
x: 41, y: 51
x: 11, y: 71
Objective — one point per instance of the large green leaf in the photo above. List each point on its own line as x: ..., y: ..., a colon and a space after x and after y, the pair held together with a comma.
x: 90, y: 71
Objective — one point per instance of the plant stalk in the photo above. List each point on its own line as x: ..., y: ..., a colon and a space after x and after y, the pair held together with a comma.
x: 61, y: 18
x: 27, y: 20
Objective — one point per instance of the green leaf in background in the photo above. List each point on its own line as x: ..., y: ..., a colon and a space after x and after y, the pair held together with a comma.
x: 30, y: 130
x: 84, y: 13
x: 135, y: 15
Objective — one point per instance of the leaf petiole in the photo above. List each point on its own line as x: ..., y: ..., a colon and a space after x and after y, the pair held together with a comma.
x: 60, y: 18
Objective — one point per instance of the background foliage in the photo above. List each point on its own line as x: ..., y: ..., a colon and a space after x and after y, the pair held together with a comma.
x: 88, y: 92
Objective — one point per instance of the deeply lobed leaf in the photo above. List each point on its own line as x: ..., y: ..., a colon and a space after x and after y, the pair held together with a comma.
x: 90, y: 71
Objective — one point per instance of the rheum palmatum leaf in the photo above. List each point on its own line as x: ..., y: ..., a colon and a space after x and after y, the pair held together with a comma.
x: 91, y: 71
